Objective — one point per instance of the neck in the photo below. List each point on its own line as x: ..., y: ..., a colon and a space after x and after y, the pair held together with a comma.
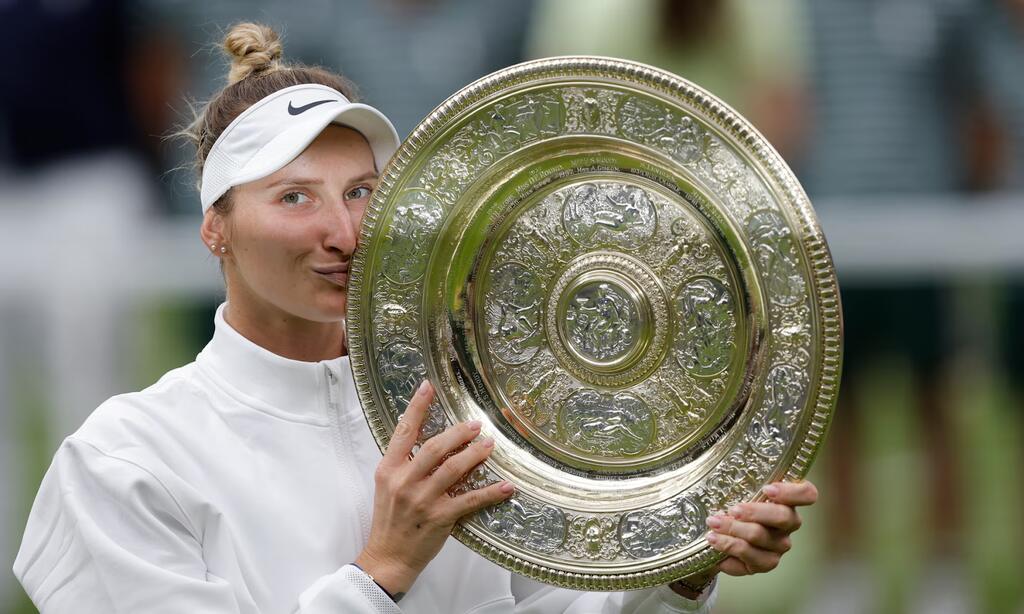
x: 286, y: 335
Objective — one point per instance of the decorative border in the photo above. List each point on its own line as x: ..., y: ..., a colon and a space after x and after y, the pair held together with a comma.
x: 729, y: 122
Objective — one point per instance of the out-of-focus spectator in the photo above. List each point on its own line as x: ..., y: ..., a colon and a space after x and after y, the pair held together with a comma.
x: 999, y: 52
x: 749, y: 53
x: 101, y: 83
x: 999, y: 55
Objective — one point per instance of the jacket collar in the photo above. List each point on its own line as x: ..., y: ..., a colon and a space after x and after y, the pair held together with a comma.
x: 281, y: 385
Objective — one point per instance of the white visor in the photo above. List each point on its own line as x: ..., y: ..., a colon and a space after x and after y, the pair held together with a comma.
x: 274, y: 131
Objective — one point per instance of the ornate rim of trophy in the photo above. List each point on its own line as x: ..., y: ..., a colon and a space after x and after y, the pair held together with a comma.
x: 618, y: 275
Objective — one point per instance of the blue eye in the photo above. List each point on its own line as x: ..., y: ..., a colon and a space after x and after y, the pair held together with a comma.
x: 360, y: 192
x: 294, y: 198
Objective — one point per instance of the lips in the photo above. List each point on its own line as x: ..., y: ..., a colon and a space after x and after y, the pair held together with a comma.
x: 340, y: 279
x: 336, y: 273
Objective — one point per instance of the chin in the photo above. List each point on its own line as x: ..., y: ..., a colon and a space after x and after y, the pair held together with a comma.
x: 330, y: 309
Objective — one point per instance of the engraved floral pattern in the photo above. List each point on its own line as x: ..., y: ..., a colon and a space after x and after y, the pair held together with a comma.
x: 593, y: 537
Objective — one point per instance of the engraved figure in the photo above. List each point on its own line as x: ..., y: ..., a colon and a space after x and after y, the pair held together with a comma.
x: 725, y: 165
x: 596, y: 213
x: 601, y: 322
x: 515, y: 122
x: 526, y: 522
x: 434, y: 423
x: 539, y: 115
x: 777, y: 256
x: 648, y: 533
x: 651, y: 123
x: 415, y: 222
x: 513, y: 313
x: 606, y: 425
x: 401, y: 369
x: 737, y: 478
x: 706, y: 340
x: 786, y: 390
x: 524, y: 398
x: 395, y: 320
x: 589, y: 110
x: 479, y: 477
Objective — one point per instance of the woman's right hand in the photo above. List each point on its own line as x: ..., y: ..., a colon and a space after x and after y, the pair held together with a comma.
x: 413, y: 514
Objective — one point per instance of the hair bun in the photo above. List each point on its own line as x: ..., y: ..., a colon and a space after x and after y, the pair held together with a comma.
x: 253, y: 48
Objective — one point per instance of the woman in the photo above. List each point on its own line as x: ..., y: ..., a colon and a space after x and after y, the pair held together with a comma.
x: 248, y: 481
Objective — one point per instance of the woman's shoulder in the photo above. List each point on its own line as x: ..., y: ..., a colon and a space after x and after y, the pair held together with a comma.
x: 149, y: 417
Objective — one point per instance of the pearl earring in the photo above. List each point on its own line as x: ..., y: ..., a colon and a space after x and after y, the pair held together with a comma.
x: 223, y: 249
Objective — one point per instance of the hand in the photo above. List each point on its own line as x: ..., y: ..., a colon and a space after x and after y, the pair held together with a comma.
x: 756, y: 535
x: 413, y: 514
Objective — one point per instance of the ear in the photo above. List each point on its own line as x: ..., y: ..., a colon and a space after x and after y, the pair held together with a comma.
x: 213, y: 231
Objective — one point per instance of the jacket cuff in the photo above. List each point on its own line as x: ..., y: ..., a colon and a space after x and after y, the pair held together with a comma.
x: 674, y: 602
x: 369, y: 590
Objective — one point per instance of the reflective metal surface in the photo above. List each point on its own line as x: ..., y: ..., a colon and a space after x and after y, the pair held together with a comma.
x: 618, y: 276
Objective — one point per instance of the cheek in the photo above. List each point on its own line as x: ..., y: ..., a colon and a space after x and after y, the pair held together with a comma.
x: 356, y: 213
x: 269, y: 245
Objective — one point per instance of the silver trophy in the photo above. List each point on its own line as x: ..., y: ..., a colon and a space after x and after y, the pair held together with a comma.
x: 625, y: 283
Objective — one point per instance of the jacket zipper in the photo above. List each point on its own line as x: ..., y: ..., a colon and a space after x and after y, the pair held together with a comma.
x: 343, y: 449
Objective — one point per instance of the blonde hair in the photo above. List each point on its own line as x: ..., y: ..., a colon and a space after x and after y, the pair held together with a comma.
x: 256, y: 71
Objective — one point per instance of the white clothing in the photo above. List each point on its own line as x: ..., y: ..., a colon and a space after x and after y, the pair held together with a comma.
x: 243, y: 482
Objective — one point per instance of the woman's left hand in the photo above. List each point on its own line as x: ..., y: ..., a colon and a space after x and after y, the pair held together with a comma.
x: 754, y: 535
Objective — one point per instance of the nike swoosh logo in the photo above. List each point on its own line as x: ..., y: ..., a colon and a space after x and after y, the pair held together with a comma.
x: 296, y: 110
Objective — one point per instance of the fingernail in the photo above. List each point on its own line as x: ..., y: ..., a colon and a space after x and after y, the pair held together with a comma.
x: 712, y: 537
x: 736, y: 511
x: 488, y: 443
x: 771, y: 490
x: 507, y: 488
x: 714, y: 522
x: 424, y: 387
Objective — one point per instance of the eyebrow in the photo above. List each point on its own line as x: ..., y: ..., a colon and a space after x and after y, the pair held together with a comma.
x: 317, y: 180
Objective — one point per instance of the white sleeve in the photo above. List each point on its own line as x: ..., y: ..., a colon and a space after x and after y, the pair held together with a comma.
x: 106, y: 536
x: 535, y: 598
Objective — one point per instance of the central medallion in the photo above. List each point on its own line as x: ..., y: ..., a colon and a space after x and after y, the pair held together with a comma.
x: 602, y: 321
x: 607, y: 316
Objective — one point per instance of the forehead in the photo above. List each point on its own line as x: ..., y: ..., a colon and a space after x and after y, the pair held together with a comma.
x: 337, y: 146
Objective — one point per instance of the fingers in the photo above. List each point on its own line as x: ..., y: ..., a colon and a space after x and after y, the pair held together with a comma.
x: 792, y: 493
x: 733, y: 566
x: 408, y: 428
x: 435, y: 449
x: 757, y: 535
x: 458, y: 465
x: 753, y: 559
x: 771, y: 515
x: 476, y: 500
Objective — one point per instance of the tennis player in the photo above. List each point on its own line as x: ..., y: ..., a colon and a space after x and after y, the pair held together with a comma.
x: 248, y: 480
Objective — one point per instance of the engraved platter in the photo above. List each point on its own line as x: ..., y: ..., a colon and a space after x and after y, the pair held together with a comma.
x: 625, y: 283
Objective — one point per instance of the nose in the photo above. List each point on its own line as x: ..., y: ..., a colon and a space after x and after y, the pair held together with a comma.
x: 340, y: 228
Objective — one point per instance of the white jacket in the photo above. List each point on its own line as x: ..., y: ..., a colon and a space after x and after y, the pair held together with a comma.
x: 243, y: 482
